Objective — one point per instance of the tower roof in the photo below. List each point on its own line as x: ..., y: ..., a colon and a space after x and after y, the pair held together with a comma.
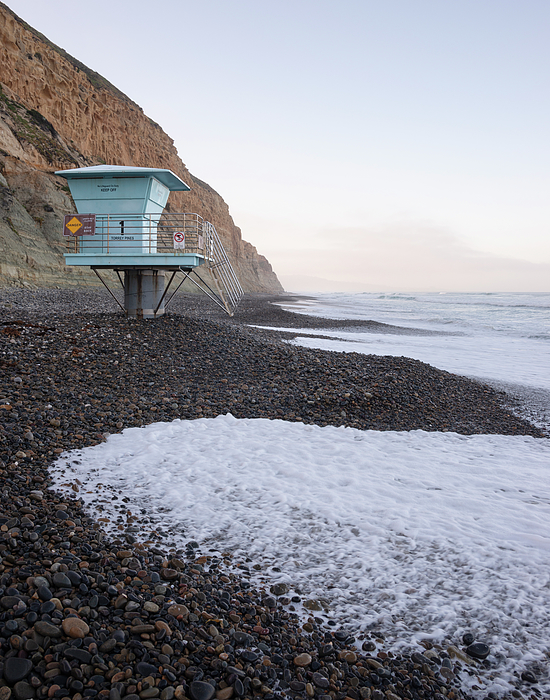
x: 167, y: 177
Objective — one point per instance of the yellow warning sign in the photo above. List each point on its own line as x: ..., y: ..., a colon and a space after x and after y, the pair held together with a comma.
x: 80, y: 225
x: 73, y: 225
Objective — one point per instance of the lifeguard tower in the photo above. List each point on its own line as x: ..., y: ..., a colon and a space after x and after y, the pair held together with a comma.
x: 121, y: 225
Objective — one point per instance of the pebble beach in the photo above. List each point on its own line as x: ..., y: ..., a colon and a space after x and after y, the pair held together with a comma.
x: 83, y: 614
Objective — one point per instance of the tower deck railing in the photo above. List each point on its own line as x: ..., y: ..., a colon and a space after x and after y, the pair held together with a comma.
x: 126, y: 234
x: 167, y: 234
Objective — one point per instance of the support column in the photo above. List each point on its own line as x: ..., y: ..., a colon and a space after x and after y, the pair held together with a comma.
x: 143, y: 289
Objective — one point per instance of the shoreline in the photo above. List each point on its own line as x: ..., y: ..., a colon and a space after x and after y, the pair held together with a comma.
x: 142, y: 622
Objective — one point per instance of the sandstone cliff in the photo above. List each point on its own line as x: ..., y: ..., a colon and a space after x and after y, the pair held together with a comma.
x: 55, y: 114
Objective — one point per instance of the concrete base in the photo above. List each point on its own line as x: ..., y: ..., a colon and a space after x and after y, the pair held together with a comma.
x: 143, y: 289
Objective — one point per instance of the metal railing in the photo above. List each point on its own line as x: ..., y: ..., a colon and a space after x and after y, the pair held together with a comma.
x: 129, y: 234
x: 222, y: 272
x: 166, y: 234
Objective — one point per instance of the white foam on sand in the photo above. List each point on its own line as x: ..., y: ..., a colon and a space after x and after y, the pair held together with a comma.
x: 412, y: 534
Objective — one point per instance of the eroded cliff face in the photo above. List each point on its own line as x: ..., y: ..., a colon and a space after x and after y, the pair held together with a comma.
x: 57, y: 114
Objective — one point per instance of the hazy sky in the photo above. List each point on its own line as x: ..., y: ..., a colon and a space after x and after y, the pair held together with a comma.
x: 381, y: 144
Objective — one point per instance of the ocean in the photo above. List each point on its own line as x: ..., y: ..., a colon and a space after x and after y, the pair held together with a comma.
x: 397, y: 537
x: 501, y: 339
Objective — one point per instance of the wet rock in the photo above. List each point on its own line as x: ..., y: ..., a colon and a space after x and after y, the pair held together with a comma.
x: 478, y: 650
x: 279, y: 589
x: 528, y: 676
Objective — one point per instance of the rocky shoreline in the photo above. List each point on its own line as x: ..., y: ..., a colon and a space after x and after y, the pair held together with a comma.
x: 82, y: 615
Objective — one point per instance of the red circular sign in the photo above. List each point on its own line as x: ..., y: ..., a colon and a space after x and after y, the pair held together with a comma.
x: 179, y: 237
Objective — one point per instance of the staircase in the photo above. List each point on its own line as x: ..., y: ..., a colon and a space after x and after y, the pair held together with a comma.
x: 225, y: 289
x: 227, y: 285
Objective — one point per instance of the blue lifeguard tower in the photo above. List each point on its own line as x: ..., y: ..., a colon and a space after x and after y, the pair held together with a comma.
x: 122, y: 225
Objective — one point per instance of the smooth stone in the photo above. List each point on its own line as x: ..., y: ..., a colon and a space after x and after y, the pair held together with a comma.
x: 47, y: 607
x: 302, y: 660
x: 457, y: 654
x: 431, y: 654
x: 320, y: 681
x: 145, y: 669
x: 178, y: 609
x: 242, y: 638
x: 120, y: 602
x: 108, y: 646
x: 528, y: 677
x: 75, y: 628
x: 169, y: 574
x: 142, y: 629
x: 5, y: 693
x: 41, y: 581
x: 199, y: 690
x: 46, y: 629
x: 44, y: 593
x: 161, y: 625
x: 478, y: 650
x: 419, y: 658
x: 447, y: 673
x: 74, y: 577
x: 79, y: 654
x: 16, y: 669
x: 61, y: 581
x: 279, y: 589
x: 23, y: 691
x: 297, y: 686
x: 468, y: 638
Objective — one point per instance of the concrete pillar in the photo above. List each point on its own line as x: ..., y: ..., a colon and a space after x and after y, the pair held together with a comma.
x: 143, y: 289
